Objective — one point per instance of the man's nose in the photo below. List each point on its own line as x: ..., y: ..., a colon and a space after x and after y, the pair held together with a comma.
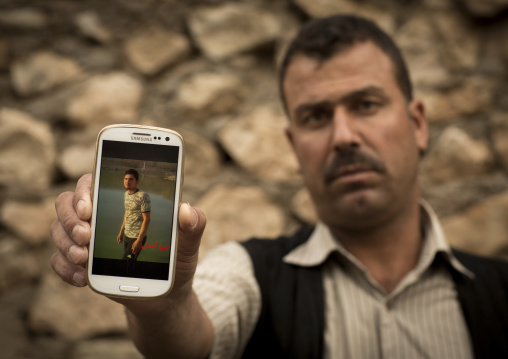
x: 344, y: 130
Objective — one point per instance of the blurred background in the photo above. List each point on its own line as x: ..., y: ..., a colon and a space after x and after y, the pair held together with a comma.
x: 208, y: 70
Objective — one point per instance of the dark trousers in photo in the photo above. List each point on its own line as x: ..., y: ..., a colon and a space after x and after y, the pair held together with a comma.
x: 127, y: 245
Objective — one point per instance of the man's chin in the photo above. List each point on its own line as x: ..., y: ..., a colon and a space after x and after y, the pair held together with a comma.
x: 355, y: 207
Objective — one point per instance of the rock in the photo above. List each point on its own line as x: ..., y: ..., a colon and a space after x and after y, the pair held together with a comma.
x: 23, y: 18
x: 417, y: 40
x: 473, y: 96
x: 51, y: 107
x: 90, y: 25
x: 98, y: 59
x: 42, y: 71
x: 92, y: 57
x: 202, y: 167
x: 438, y: 5
x: 21, y: 137
x: 454, y: 196
x: 456, y: 155
x: 482, y: 229
x: 204, y: 95
x: 106, y: 348
x: 258, y: 144
x: 13, y: 337
x: 4, y: 54
x: 155, y: 49
x: 202, y: 158
x: 322, y: 8
x: 485, y: 8
x: 103, y: 99
x: 229, y: 29
x: 82, y: 137
x: 17, y: 264
x: 459, y: 45
x: 236, y: 213
x: 499, y: 134
x: 74, y: 313
x: 44, y: 347
x: 303, y: 208
x: 77, y: 160
x: 29, y: 220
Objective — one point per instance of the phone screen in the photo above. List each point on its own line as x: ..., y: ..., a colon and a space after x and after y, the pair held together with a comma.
x: 124, y: 202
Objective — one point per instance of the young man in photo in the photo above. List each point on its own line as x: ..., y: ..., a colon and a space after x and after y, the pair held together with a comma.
x: 136, y: 217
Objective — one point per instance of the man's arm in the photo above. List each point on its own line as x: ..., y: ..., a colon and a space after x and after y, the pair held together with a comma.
x: 119, y: 239
x: 173, y: 326
x: 136, y: 246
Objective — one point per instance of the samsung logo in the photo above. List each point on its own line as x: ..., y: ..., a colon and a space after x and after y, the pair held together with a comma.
x: 139, y: 138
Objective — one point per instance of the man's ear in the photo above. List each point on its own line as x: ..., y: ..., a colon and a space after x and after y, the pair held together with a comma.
x: 289, y: 136
x: 416, y: 110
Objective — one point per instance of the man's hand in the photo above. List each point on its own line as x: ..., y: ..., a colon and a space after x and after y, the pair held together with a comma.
x: 171, y: 326
x: 71, y: 233
x: 136, y: 246
x: 119, y: 238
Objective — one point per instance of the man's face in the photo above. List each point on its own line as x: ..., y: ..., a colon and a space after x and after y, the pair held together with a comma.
x: 129, y: 182
x: 355, y: 136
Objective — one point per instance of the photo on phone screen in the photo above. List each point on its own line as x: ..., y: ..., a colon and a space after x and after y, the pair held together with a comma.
x: 136, y: 193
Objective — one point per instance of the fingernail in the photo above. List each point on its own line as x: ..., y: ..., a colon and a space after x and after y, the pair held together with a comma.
x: 78, y: 230
x: 187, y: 210
x: 80, y: 208
x: 79, y: 278
x: 75, y: 253
x: 194, y: 217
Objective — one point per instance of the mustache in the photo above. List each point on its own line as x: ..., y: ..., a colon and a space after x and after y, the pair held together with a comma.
x: 348, y: 157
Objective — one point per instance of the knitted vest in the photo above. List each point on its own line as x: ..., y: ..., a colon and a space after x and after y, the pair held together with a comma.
x: 291, y: 323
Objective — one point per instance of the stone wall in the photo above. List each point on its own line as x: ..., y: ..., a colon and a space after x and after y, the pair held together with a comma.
x: 207, y: 69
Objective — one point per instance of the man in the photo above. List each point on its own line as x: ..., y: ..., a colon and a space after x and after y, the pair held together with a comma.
x: 375, y: 278
x: 136, y: 218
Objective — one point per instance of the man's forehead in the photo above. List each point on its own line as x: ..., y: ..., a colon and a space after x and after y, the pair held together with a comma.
x: 362, y: 65
x: 357, y: 56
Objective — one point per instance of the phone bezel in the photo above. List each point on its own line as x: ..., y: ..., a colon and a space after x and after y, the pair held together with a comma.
x: 148, y: 288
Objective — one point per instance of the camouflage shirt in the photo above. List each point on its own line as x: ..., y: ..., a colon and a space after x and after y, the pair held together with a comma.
x: 135, y: 204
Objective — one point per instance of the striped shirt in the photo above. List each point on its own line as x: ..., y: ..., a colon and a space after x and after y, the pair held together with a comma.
x: 420, y: 318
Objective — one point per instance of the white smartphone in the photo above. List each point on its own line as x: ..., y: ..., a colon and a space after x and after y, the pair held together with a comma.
x: 136, y: 194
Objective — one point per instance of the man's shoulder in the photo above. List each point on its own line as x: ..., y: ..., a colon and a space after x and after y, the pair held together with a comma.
x: 141, y: 194
x: 484, y: 267
x: 276, y: 247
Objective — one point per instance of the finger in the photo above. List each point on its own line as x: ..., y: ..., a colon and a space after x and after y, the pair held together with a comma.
x: 69, y: 272
x: 75, y: 253
x: 82, y: 200
x: 77, y: 229
x: 192, y: 223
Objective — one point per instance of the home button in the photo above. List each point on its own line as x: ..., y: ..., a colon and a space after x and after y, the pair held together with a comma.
x: 129, y: 288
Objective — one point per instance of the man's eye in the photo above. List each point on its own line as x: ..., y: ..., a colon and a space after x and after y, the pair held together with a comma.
x: 315, y: 118
x: 366, y: 106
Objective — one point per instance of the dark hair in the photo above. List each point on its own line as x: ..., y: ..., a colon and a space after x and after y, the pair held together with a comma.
x: 320, y: 39
x: 132, y: 172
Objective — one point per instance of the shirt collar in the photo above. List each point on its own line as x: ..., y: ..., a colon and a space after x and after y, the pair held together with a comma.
x: 321, y: 243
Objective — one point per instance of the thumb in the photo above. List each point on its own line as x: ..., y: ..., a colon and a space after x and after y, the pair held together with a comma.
x: 191, y: 221
x: 191, y: 224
